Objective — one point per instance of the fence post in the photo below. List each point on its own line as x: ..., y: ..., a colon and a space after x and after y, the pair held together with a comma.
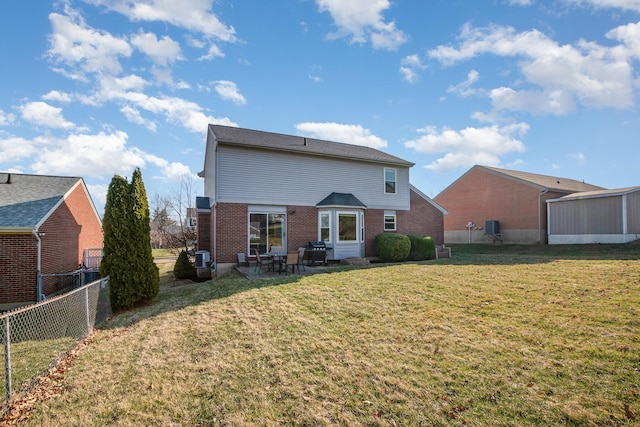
x: 86, y: 308
x: 7, y: 356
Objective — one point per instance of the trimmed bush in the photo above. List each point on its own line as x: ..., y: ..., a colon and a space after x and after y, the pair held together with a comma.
x: 422, y: 247
x: 392, y: 247
x: 183, y: 268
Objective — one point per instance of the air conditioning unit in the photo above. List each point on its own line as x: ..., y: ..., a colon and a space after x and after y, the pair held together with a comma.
x: 203, y: 258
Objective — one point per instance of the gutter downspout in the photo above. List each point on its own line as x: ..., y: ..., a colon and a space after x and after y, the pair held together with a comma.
x: 39, y: 296
x: 215, y: 239
x: 542, y: 193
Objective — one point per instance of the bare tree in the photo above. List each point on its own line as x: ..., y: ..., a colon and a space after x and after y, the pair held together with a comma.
x: 182, y: 199
x: 161, y: 221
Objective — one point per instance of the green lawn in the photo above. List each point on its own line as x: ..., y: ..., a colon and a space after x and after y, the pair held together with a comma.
x: 498, y: 335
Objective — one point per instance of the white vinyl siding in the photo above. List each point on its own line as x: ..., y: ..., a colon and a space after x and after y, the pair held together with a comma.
x: 272, y: 177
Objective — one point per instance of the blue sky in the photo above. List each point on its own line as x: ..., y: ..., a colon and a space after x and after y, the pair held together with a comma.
x: 95, y: 88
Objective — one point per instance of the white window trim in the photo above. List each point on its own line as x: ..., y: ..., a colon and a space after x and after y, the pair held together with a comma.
x: 328, y: 213
x: 395, y: 221
x: 384, y: 180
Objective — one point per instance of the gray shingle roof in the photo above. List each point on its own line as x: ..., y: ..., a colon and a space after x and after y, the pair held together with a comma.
x: 27, y: 199
x: 299, y: 144
x: 547, y: 182
x: 342, y: 199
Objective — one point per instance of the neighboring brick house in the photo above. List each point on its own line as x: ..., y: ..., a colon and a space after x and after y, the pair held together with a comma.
x: 265, y: 189
x: 46, y: 223
x: 512, y: 201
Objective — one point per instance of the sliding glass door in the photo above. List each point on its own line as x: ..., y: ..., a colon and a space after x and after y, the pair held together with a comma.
x: 266, y: 230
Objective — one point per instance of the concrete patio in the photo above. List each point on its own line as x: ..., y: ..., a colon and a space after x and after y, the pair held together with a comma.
x: 252, y: 273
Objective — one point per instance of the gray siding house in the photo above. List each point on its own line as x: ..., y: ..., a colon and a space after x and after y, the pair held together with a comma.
x: 605, y: 216
x: 264, y: 189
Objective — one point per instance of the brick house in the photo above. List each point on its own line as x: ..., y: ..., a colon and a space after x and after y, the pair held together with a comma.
x: 46, y: 223
x: 514, y: 202
x: 265, y: 189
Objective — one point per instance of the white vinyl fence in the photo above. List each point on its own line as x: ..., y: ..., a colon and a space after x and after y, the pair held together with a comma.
x: 35, y: 337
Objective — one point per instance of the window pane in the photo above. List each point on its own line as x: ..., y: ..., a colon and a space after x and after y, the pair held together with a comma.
x: 276, y: 226
x: 324, y: 234
x: 389, y: 187
x: 347, y: 227
x: 390, y: 181
x: 258, y: 232
x: 324, y: 220
x: 389, y: 222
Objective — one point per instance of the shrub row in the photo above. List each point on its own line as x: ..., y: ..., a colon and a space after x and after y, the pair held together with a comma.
x: 393, y: 247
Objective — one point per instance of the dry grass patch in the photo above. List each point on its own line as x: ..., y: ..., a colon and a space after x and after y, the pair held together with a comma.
x: 448, y: 343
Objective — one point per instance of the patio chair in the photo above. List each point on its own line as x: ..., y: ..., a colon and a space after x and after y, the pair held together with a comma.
x: 292, y: 260
x: 301, y: 252
x: 242, y: 260
x: 277, y: 250
x: 260, y: 261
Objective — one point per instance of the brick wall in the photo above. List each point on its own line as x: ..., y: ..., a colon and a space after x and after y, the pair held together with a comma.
x: 481, y: 196
x: 18, y: 262
x: 423, y: 218
x: 231, y: 231
x: 302, y: 226
x: 204, y: 235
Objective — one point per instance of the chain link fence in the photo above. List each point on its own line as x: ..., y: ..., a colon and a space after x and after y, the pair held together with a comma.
x: 36, y: 337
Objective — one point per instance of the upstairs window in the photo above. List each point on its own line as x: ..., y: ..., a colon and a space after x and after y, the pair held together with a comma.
x: 389, y: 181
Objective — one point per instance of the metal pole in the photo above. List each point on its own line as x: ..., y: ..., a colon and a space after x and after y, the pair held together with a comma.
x: 86, y: 307
x: 7, y: 356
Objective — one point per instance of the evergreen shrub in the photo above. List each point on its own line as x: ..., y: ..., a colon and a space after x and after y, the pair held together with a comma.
x: 183, y: 268
x: 422, y: 247
x: 392, y: 247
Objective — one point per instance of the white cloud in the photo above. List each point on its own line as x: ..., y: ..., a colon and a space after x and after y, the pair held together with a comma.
x: 616, y: 4
x: 42, y: 114
x: 363, y: 21
x: 229, y: 91
x: 629, y: 36
x: 559, y: 75
x: 84, y: 49
x: 86, y: 155
x: 351, y: 134
x: 57, y: 96
x: 579, y: 157
x: 195, y: 16
x: 6, y: 118
x: 521, y: 2
x: 213, y: 52
x: 163, y: 52
x: 14, y: 149
x: 410, y: 65
x: 469, y: 146
x: 464, y: 89
x: 134, y: 116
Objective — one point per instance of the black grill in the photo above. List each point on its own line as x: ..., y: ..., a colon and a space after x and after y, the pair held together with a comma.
x: 316, y: 252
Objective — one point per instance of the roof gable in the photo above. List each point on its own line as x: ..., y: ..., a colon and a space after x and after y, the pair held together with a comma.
x: 315, y: 147
x: 541, y: 182
x: 428, y: 199
x: 26, y: 200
